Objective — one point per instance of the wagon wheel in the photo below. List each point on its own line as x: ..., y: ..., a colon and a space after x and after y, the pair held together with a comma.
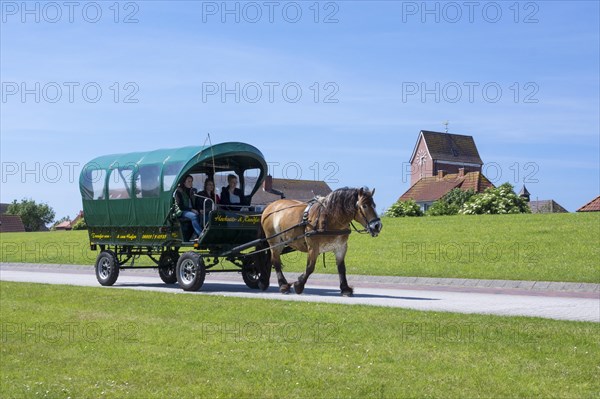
x: 107, y: 268
x: 251, y: 276
x: 190, y: 271
x: 167, y: 265
x: 253, y: 270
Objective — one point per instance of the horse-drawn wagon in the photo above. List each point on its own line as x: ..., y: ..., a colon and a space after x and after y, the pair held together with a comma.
x: 130, y: 209
x: 128, y: 202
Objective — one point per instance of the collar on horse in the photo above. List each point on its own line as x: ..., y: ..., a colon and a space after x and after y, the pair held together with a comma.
x: 315, y: 229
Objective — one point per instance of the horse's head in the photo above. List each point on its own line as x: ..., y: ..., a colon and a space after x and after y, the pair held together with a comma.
x: 366, y: 214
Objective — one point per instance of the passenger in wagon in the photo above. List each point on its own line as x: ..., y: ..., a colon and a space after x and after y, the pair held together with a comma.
x: 184, y: 196
x: 231, y: 195
x: 208, y: 192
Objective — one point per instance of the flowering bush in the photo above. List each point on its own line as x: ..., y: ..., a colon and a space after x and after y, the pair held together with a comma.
x: 450, y: 203
x: 403, y: 208
x: 499, y: 200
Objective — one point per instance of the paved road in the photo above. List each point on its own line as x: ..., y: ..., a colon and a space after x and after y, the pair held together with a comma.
x: 583, y: 306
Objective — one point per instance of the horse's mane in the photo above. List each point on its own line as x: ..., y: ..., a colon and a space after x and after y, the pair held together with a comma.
x: 341, y: 203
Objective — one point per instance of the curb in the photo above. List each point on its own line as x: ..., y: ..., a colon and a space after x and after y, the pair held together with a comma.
x: 537, y: 286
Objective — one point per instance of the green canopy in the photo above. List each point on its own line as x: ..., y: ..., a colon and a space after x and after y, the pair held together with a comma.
x: 136, y: 189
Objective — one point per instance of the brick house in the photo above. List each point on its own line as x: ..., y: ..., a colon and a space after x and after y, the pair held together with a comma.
x: 68, y: 224
x: 541, y: 206
x: 441, y: 162
x: 302, y: 190
x: 445, y: 152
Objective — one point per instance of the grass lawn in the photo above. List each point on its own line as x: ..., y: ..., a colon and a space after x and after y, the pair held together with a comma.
x: 61, y: 341
x: 556, y: 247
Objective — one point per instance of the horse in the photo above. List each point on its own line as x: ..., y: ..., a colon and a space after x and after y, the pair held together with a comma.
x: 319, y: 226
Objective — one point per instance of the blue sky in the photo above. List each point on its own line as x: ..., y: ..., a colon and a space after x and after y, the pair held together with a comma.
x: 522, y: 78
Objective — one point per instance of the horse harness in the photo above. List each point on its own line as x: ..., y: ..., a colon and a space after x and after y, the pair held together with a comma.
x: 304, y: 222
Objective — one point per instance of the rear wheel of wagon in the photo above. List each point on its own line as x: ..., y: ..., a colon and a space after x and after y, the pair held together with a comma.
x: 190, y: 271
x: 167, y: 266
x: 107, y: 268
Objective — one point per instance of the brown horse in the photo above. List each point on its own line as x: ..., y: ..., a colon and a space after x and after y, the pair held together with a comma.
x: 320, y: 226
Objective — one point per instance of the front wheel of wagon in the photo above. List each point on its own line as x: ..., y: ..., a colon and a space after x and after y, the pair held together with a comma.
x: 167, y: 265
x: 190, y: 271
x: 251, y: 277
x: 107, y: 268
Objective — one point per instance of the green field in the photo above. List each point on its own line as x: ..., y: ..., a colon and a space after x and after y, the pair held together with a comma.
x: 556, y: 247
x: 60, y: 341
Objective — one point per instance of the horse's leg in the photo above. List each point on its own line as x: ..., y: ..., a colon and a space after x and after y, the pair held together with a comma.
x: 340, y: 256
x: 311, y: 261
x: 284, y: 286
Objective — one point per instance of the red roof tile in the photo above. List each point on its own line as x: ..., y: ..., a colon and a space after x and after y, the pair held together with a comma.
x: 11, y: 224
x: 433, y: 188
x: 592, y: 206
x: 302, y: 190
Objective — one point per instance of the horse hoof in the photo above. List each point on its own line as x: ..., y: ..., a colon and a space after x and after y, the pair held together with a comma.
x: 348, y: 292
x: 298, y: 288
x: 284, y: 289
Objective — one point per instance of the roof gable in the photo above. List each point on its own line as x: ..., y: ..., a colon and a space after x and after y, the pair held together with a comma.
x: 11, y: 224
x: 592, y: 206
x: 546, y: 206
x: 449, y: 147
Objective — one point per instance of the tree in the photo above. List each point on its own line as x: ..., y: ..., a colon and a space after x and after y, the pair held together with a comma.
x: 450, y: 203
x: 33, y: 215
x: 498, y: 200
x: 404, y: 208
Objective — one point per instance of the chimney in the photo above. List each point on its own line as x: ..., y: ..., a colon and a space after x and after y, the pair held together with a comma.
x: 268, y: 187
x: 268, y: 183
x: 461, y: 172
x: 441, y: 174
